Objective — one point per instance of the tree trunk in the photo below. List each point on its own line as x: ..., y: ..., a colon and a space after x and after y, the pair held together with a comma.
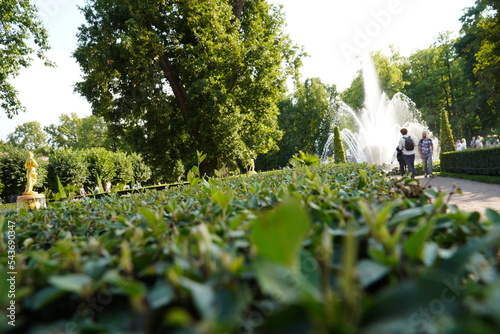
x: 177, y: 88
x: 238, y: 8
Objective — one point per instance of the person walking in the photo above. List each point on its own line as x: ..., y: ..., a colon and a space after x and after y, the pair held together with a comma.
x: 398, y: 155
x: 479, y: 142
x: 82, y: 190
x: 407, y: 145
x: 473, y: 142
x: 401, y: 159
x: 425, y: 150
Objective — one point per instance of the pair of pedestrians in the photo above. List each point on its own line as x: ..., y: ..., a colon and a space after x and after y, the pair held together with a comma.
x: 425, y: 150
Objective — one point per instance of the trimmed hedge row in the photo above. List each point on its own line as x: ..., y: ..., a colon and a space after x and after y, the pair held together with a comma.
x: 485, y: 161
x: 329, y: 249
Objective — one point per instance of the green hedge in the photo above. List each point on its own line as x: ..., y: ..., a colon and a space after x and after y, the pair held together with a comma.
x: 484, y: 161
x: 329, y: 249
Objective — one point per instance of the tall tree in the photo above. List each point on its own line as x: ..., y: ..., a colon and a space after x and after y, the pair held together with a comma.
x: 479, y: 46
x: 354, y: 96
x: 21, y: 35
x: 79, y: 133
x: 306, y: 117
x: 390, y: 79
x: 181, y: 76
x: 313, y: 116
x: 389, y: 72
x: 436, y: 82
x: 29, y: 136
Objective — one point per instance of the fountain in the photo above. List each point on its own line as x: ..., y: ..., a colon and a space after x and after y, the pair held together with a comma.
x: 372, y: 136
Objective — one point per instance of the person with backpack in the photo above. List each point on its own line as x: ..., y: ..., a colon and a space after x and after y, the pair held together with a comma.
x: 425, y: 150
x: 407, y: 145
x: 401, y: 160
x: 398, y: 154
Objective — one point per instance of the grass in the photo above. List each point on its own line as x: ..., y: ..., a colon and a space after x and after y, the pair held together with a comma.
x: 470, y: 177
x: 8, y: 207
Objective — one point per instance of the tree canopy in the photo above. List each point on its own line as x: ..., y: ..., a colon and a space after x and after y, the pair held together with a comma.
x: 79, y: 133
x: 28, y: 136
x: 21, y: 35
x: 178, y: 76
x: 479, y: 47
x: 306, y: 118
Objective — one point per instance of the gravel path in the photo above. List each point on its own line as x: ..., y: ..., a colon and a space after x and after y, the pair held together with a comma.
x: 476, y: 196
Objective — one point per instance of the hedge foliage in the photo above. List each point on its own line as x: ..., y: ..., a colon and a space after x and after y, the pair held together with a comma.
x: 484, y: 161
x: 73, y: 167
x: 328, y: 249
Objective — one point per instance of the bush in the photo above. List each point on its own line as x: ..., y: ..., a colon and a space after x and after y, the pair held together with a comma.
x: 304, y: 159
x: 100, y: 162
x: 338, y: 147
x: 142, y: 172
x: 124, y: 170
x: 70, y: 166
x: 484, y: 161
x: 329, y: 249
x: 13, y: 173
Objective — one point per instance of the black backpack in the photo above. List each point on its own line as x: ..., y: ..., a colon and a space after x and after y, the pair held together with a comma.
x: 409, y: 144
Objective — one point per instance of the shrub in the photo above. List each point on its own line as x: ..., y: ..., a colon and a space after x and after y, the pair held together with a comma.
x: 484, y: 161
x: 339, y: 152
x: 304, y: 159
x: 100, y: 162
x: 327, y: 249
x: 142, y: 172
x: 124, y: 170
x: 13, y: 173
x: 70, y: 166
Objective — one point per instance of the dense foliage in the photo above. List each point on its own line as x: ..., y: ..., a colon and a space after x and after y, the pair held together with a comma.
x: 338, y: 147
x: 473, y: 162
x: 446, y: 142
x: 80, y: 133
x: 175, y: 77
x: 72, y: 168
x: 333, y: 249
x: 21, y: 36
x: 306, y: 117
x: 28, y: 136
x: 13, y: 173
x: 479, y: 47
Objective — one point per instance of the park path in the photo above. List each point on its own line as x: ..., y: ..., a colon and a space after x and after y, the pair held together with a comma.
x: 476, y: 196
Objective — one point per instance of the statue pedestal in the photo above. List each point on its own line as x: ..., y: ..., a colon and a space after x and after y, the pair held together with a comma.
x: 31, y: 202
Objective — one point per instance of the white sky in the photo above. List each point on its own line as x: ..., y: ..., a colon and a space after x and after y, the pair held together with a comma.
x: 332, y: 32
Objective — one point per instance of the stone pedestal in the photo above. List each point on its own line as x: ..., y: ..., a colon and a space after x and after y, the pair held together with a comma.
x: 31, y: 202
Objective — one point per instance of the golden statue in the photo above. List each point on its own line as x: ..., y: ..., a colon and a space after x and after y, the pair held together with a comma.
x: 251, y: 169
x: 31, y: 175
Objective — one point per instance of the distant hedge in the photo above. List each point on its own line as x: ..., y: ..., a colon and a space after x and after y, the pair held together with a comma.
x: 476, y: 162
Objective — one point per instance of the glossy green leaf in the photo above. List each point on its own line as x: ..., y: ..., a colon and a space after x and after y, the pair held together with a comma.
x: 406, y: 215
x: 278, y: 235
x: 202, y: 295
x: 414, y: 246
x: 370, y: 271
x: 493, y: 216
x: 72, y: 283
